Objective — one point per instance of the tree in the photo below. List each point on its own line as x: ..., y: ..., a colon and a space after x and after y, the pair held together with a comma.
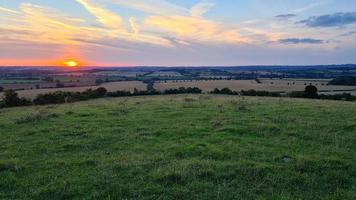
x: 101, y: 92
x: 311, y: 92
x: 11, y: 98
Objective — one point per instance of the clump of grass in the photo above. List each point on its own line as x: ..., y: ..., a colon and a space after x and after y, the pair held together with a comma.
x: 36, y: 117
x: 69, y: 113
x: 220, y: 108
x: 188, y: 102
x: 9, y: 165
x: 217, y: 121
x: 240, y: 105
x: 189, y: 99
x: 122, y: 110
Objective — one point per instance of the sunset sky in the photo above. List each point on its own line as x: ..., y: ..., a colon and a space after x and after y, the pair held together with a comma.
x: 177, y: 32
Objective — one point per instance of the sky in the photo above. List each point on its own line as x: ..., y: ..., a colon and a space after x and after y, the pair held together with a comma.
x: 177, y: 32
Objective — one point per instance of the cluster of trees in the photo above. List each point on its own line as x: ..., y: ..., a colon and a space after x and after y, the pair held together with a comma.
x: 183, y: 90
x: 64, y: 97
x: 245, y: 92
x: 11, y: 98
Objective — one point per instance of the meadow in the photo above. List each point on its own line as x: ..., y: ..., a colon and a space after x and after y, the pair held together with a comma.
x: 180, y: 147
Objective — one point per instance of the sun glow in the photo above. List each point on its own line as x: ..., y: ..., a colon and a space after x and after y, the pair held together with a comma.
x: 71, y: 63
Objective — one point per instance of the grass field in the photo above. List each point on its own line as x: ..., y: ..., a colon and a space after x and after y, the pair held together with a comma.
x: 180, y: 147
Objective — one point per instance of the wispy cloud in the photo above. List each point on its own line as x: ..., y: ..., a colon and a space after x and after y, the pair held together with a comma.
x: 195, y: 29
x: 201, y: 8
x: 103, y: 15
x: 310, y: 6
x: 2, y: 9
x: 157, y: 7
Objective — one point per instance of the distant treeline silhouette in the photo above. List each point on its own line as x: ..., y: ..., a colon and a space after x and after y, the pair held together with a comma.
x: 344, y: 80
x: 11, y: 98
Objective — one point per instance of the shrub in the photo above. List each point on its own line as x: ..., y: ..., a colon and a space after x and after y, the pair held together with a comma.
x: 35, y: 117
x: 223, y: 91
x: 119, y: 94
x: 100, y: 92
x: 11, y: 99
x: 311, y: 92
x: 183, y: 90
x: 296, y: 94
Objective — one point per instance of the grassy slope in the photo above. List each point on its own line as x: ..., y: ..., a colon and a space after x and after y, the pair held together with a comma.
x: 186, y: 147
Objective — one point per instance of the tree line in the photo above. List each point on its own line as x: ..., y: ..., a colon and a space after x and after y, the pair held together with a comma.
x: 11, y: 98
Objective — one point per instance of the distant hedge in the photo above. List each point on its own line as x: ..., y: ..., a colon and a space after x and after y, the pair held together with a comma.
x: 11, y: 98
x: 346, y: 80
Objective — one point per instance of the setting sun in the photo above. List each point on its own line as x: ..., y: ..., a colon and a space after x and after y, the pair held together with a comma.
x: 71, y: 63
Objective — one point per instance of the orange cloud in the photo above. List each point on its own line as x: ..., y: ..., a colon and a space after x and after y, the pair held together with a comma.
x: 195, y: 29
x: 104, y: 16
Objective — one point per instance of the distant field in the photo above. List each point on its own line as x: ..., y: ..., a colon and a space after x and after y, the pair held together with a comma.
x: 111, y: 86
x: 2, y: 81
x: 180, y: 147
x: 165, y: 74
x: 267, y: 85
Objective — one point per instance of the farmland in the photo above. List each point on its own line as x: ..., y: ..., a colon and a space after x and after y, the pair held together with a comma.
x: 180, y: 147
x: 284, y: 85
x: 111, y: 86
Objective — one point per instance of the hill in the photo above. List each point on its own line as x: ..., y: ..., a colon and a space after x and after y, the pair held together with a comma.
x: 180, y: 147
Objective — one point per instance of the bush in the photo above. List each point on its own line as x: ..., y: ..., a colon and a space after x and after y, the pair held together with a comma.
x: 11, y: 99
x: 100, y: 92
x: 311, y: 92
x: 296, y: 94
x: 183, y: 90
x: 119, y: 94
x: 52, y: 98
x: 223, y: 91
x: 344, y: 97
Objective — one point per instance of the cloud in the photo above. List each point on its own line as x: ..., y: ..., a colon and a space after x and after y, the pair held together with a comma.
x: 300, y: 41
x: 195, y: 29
x: 333, y: 20
x: 201, y: 8
x: 157, y: 7
x: 285, y: 16
x: 2, y: 9
x: 349, y: 33
x: 310, y: 6
x: 103, y: 15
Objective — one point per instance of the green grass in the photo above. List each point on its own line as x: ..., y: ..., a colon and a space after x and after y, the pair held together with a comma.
x: 180, y: 147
